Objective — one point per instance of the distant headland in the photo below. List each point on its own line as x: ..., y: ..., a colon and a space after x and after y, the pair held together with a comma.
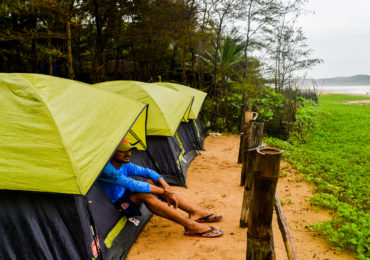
x: 357, y: 80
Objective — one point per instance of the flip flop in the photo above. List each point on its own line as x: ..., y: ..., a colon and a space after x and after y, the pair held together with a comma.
x: 204, y: 234
x: 209, y: 219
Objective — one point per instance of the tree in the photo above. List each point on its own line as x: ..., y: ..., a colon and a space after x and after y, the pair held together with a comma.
x: 290, y: 53
x: 61, y: 12
x: 230, y: 55
x: 221, y: 12
x: 258, y: 17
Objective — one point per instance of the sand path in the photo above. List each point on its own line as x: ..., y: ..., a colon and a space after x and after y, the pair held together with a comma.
x: 213, y: 184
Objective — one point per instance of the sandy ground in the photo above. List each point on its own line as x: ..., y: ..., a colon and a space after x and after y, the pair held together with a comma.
x: 213, y: 184
x: 361, y: 102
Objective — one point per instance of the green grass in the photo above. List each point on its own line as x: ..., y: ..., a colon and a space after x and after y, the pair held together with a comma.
x: 336, y: 158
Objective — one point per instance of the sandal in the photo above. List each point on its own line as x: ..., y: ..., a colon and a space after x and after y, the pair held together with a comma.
x: 209, y: 219
x: 213, y: 233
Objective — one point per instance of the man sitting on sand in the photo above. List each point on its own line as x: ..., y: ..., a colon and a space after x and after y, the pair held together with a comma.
x: 127, y: 194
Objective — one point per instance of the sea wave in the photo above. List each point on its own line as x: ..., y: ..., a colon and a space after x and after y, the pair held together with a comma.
x: 363, y: 90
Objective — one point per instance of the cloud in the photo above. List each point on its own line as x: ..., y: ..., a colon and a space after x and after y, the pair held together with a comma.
x: 339, y: 33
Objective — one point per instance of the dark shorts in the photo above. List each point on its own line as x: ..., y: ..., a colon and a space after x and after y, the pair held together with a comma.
x: 125, y: 205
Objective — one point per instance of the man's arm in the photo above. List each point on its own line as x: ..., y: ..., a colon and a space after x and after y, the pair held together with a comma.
x: 169, y: 193
x: 136, y: 170
x: 140, y: 186
x: 128, y: 183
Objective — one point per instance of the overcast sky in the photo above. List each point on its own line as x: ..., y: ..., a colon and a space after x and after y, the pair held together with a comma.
x: 339, y: 33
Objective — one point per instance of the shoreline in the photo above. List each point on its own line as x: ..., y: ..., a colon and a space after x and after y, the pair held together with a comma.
x: 327, y: 92
x: 358, y: 102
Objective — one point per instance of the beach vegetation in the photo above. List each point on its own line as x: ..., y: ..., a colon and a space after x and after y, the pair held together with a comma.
x: 333, y: 153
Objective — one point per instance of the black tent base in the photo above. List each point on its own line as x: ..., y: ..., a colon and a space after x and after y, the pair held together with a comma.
x: 37, y: 226
x: 186, y: 160
x: 124, y: 241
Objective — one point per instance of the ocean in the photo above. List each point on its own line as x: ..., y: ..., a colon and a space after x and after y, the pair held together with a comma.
x: 364, y: 90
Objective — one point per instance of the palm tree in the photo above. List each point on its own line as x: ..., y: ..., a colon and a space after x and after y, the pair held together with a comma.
x: 230, y: 55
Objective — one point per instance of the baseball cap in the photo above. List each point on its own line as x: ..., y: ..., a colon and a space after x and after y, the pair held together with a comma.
x: 125, y: 146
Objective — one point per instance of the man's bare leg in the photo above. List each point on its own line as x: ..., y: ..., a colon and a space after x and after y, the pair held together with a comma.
x: 161, y: 209
x: 194, y: 213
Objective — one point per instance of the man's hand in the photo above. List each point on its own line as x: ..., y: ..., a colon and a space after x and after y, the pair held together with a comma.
x: 171, y: 199
x: 169, y: 194
x: 174, y: 201
x: 168, y: 190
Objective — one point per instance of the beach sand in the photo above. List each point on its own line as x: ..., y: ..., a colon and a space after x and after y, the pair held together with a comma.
x: 213, y: 184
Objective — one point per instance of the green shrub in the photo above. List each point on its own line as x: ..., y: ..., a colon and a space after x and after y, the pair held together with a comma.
x: 336, y: 158
x: 308, y: 116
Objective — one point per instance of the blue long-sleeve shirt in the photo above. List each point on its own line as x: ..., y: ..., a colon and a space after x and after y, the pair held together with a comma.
x: 115, y: 181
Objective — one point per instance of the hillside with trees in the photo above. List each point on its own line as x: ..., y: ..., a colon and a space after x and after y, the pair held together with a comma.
x: 358, y: 80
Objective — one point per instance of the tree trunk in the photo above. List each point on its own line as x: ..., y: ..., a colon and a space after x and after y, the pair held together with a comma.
x: 49, y: 48
x: 183, y: 74
x: 69, y: 49
x: 173, y: 57
x: 193, y: 73
x: 226, y: 109
x: 241, y: 129
x: 98, y: 60
x: 71, y: 72
x: 34, y: 58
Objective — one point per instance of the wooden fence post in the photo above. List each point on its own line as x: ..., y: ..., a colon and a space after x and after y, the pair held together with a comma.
x: 244, y: 108
x: 284, y: 229
x: 244, y: 133
x: 249, y: 158
x: 266, y: 174
x: 252, y: 138
x: 252, y: 141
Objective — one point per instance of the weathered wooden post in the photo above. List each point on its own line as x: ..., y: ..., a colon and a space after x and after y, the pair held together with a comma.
x: 284, y: 230
x: 266, y: 174
x: 249, y: 159
x: 243, y: 133
x: 244, y: 108
x: 253, y: 139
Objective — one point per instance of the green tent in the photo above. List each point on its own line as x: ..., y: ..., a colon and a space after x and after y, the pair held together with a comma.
x: 166, y: 107
x: 56, y: 135
x: 192, y: 132
x: 198, y: 95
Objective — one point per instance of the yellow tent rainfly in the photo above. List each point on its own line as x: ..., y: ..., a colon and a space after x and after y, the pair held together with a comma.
x: 194, y: 124
x: 199, y: 96
x: 56, y: 135
x: 166, y: 107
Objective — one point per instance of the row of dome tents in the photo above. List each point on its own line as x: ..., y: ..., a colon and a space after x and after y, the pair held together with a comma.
x: 172, y: 134
x: 56, y: 135
x: 193, y: 127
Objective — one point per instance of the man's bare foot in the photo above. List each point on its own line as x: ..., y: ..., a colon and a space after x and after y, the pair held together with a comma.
x: 202, y: 217
x: 196, y: 227
x: 211, y: 232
